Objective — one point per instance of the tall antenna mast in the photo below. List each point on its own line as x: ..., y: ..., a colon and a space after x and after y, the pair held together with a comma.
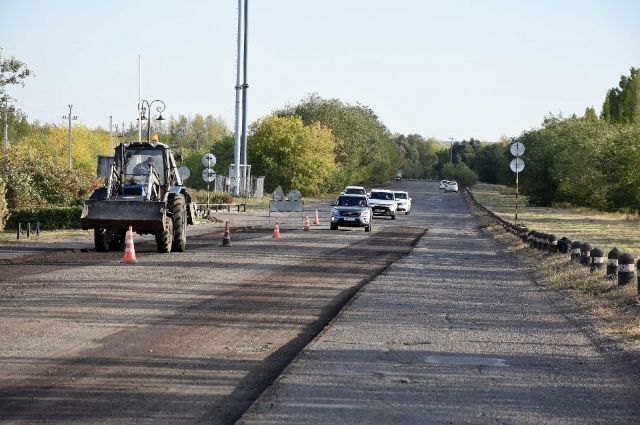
x: 236, y: 146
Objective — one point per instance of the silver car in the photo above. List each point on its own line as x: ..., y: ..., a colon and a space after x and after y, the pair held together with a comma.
x: 351, y: 211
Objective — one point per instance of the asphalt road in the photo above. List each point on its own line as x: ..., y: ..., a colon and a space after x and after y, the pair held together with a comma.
x: 457, y: 332
x: 178, y: 338
x: 451, y: 331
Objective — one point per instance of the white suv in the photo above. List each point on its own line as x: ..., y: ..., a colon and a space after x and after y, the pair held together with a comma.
x: 383, y: 202
x: 404, y: 201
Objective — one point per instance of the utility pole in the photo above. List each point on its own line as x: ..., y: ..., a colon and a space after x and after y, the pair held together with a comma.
x: 451, y: 149
x: 110, y: 131
x: 70, y: 117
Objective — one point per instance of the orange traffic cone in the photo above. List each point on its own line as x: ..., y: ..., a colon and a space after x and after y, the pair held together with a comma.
x: 306, y: 224
x: 129, y: 251
x: 276, y: 230
x: 226, y: 238
x: 316, y: 220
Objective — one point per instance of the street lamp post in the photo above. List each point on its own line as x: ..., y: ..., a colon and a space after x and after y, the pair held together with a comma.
x: 145, y: 113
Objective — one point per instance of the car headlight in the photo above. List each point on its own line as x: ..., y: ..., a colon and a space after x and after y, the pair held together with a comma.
x: 334, y: 211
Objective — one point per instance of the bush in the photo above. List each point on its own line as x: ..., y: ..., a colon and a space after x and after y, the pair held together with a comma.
x: 200, y: 197
x: 34, y: 180
x: 50, y: 218
x: 4, y: 214
x: 465, y: 175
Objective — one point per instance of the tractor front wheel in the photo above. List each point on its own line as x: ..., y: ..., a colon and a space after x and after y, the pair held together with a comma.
x: 164, y: 237
x: 178, y: 209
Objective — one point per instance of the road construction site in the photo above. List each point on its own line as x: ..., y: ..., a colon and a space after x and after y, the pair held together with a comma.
x: 426, y: 319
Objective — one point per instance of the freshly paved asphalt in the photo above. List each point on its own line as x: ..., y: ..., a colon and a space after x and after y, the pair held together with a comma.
x: 457, y: 332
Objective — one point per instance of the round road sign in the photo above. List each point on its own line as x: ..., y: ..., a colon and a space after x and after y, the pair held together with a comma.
x: 184, y: 172
x: 208, y: 175
x: 516, y: 165
x: 517, y: 149
x: 209, y: 160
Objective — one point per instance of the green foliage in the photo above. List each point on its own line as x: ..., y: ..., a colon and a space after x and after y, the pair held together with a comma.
x: 4, y: 210
x: 466, y: 151
x: 50, y: 218
x: 622, y: 103
x: 35, y: 179
x: 492, y: 163
x: 420, y: 157
x: 365, y: 150
x: 12, y: 72
x: 293, y: 155
x: 448, y: 171
x: 464, y: 175
x: 586, y: 163
x: 197, y: 133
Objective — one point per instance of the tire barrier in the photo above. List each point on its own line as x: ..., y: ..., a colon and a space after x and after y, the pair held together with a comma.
x: 626, y: 269
x: 618, y: 264
x: 553, y: 243
x: 612, y: 262
x: 576, y: 246
x: 597, y: 259
x: 585, y: 254
x: 564, y: 245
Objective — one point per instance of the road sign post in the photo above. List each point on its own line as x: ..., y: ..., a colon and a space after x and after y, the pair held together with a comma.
x: 517, y: 165
x: 208, y: 174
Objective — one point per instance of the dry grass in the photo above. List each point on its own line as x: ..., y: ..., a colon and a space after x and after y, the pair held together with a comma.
x: 600, y: 229
x: 615, y: 310
x: 9, y: 236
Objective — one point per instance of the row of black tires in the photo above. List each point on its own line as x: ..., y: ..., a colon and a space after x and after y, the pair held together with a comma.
x: 173, y: 236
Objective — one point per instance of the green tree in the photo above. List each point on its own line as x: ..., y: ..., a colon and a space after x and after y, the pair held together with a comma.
x: 293, y: 155
x: 492, y: 162
x: 365, y: 150
x: 12, y: 72
x: 622, y: 103
x: 464, y: 175
x: 590, y: 114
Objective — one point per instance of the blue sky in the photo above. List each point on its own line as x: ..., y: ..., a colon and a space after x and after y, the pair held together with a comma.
x: 444, y: 69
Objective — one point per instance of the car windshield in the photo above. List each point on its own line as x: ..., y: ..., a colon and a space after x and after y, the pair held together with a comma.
x: 351, y: 201
x: 382, y: 195
x: 400, y: 195
x: 354, y: 191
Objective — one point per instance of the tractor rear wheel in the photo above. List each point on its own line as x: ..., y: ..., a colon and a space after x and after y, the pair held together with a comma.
x: 177, y: 206
x: 101, y: 239
x: 164, y: 237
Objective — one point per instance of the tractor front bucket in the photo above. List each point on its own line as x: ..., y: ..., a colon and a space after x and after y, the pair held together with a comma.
x: 120, y: 214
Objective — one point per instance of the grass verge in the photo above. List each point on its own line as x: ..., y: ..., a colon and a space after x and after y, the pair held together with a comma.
x: 615, y: 310
x: 600, y: 229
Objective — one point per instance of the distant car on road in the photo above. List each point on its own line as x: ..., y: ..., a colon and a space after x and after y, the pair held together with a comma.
x: 354, y: 190
x: 404, y: 201
x: 351, y: 211
x: 383, y: 202
x: 443, y: 183
x: 451, y: 186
